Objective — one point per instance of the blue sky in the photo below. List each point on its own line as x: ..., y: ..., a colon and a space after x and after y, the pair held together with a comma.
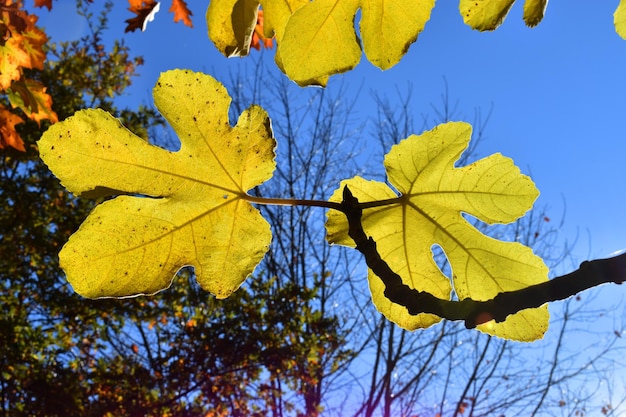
x: 557, y: 92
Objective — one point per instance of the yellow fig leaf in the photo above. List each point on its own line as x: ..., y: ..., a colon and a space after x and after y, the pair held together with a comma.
x: 320, y: 40
x: 231, y: 23
x: 434, y: 194
x: 489, y: 14
x: 277, y: 13
x: 534, y: 10
x: 619, y: 19
x: 170, y: 209
x: 316, y: 39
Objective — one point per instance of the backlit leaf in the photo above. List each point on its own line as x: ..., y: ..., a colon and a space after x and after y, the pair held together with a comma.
x: 33, y: 41
x: 44, y: 3
x: 321, y: 35
x: 317, y: 39
x: 8, y: 134
x: 258, y: 37
x: 232, y: 23
x: 30, y: 95
x: 277, y: 13
x: 21, y: 44
x: 145, y: 11
x: 534, y: 11
x: 429, y: 211
x: 619, y: 19
x: 489, y: 14
x: 171, y: 208
x: 181, y: 12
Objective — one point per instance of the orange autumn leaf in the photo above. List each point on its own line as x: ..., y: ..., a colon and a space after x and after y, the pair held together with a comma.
x: 30, y: 96
x: 258, y: 38
x: 8, y: 134
x: 11, y: 58
x: 181, y: 12
x: 33, y: 43
x: 21, y: 43
x: 145, y: 10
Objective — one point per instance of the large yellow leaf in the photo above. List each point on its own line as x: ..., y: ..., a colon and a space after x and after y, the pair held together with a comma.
x: 434, y: 194
x: 316, y: 39
x: 320, y: 40
x: 489, y: 14
x: 178, y: 208
x: 276, y: 13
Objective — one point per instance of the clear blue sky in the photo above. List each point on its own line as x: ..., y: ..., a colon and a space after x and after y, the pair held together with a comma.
x: 557, y: 92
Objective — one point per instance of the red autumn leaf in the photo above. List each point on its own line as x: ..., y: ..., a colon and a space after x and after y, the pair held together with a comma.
x: 8, y: 134
x: 258, y: 38
x: 145, y: 11
x: 181, y: 12
x: 42, y: 3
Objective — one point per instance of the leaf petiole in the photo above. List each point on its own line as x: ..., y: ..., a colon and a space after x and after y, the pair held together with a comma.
x: 316, y: 203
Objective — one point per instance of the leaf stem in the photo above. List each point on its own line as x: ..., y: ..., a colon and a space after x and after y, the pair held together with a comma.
x: 270, y: 201
x: 317, y: 203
